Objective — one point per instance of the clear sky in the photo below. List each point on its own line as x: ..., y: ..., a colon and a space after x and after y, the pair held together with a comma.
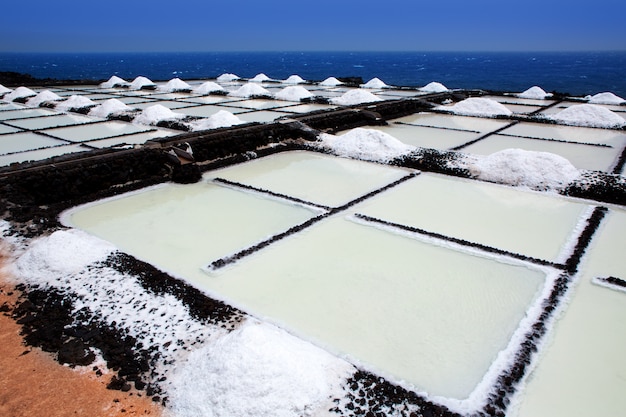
x: 279, y: 25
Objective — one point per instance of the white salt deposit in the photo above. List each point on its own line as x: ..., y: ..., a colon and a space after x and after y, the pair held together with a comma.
x: 208, y: 87
x: 114, y: 81
x: 518, y: 167
x: 365, y: 144
x: 74, y: 102
x: 605, y: 98
x: 42, y: 97
x: 294, y: 79
x: 228, y: 77
x: 108, y: 107
x: 535, y: 93
x: 154, y: 114
x: 589, y: 115
x: 248, y: 90
x: 19, y: 92
x: 4, y: 89
x: 140, y: 82
x: 374, y: 83
x: 477, y: 106
x: 222, y: 118
x: 293, y: 93
x: 353, y: 97
x: 175, y: 84
x: 331, y: 82
x: 259, y: 78
x: 434, y: 87
x: 257, y: 370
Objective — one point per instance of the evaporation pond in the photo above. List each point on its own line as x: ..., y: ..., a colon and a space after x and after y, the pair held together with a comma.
x: 407, y: 309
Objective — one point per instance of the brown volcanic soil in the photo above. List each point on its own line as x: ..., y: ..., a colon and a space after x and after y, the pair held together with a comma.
x: 32, y: 383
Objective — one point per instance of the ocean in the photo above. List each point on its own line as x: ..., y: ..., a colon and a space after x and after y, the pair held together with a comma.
x: 576, y: 73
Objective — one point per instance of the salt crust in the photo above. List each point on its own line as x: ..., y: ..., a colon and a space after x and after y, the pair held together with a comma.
x: 365, y: 144
x: 175, y: 84
x: 42, y: 97
x: 259, y: 78
x: 374, y: 83
x: 256, y: 370
x: 222, y: 118
x: 477, y: 106
x: 605, y: 98
x: 353, y: 97
x: 434, y: 87
x: 518, y: 167
x: 330, y: 82
x: 294, y: 79
x: 208, y: 87
x: 140, y: 82
x: 293, y: 93
x: 114, y: 81
x: 224, y: 78
x: 19, y: 92
x: 588, y: 115
x: 108, y: 107
x: 74, y: 102
x: 535, y: 93
x: 154, y: 114
x: 248, y: 90
x: 3, y: 89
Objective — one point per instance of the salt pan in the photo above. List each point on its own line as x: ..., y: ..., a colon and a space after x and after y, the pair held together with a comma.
x: 535, y: 93
x: 293, y: 93
x: 590, y: 115
x: 353, y: 97
x: 374, y: 83
x: 477, y: 106
x: 536, y: 170
x: 365, y: 144
x: 108, y: 107
x: 154, y: 114
x: 42, y: 97
x: 248, y: 90
x: 434, y: 87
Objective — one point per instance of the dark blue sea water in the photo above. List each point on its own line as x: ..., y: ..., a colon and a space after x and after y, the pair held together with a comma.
x: 577, y: 73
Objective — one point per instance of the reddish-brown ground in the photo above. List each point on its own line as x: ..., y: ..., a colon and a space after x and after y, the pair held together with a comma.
x: 32, y: 383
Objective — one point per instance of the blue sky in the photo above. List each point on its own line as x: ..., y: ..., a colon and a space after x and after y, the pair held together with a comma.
x: 278, y: 25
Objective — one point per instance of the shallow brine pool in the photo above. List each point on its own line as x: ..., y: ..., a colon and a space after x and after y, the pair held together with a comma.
x: 420, y: 310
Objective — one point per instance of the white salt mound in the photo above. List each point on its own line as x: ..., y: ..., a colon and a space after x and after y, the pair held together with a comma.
x: 140, y: 82
x: 225, y: 78
x: 19, y: 92
x: 353, y: 97
x: 589, y: 115
x: 4, y: 90
x: 175, y: 84
x: 108, y: 107
x: 256, y: 370
x: 248, y: 90
x: 222, y: 118
x: 154, y: 114
x: 208, y: 87
x: 374, y: 83
x: 114, y: 81
x: 477, y: 106
x: 259, y: 78
x: 293, y: 93
x: 605, y: 98
x: 74, y: 102
x: 535, y: 93
x: 331, y: 82
x: 365, y: 144
x: 42, y: 97
x: 537, y: 170
x: 294, y: 79
x: 434, y: 87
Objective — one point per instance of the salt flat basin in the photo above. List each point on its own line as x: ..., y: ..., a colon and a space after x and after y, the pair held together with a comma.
x: 448, y: 121
x: 24, y: 141
x: 312, y: 177
x: 428, y: 137
x: 583, y: 369
x: 51, y: 121
x: 527, y: 223
x: 615, y: 138
x: 40, y: 154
